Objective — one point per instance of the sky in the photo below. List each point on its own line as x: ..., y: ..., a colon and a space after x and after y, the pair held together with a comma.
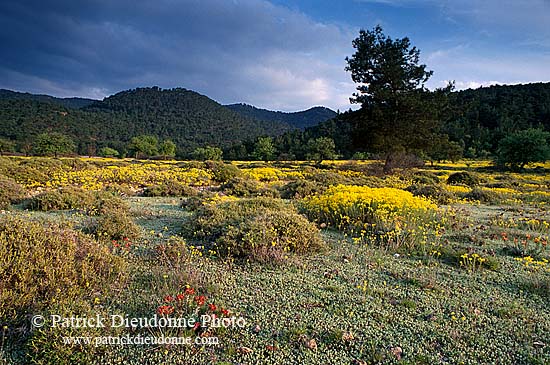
x: 280, y: 54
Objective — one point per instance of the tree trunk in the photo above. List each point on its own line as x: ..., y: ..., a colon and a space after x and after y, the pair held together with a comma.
x: 388, y: 164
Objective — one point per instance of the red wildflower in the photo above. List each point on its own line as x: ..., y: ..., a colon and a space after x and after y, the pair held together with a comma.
x: 212, y: 307
x: 168, y: 298
x: 201, y: 299
x: 165, y: 309
x: 225, y: 312
x: 189, y: 291
x: 196, y: 326
x: 180, y: 297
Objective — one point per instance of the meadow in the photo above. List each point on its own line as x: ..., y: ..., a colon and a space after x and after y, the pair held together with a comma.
x: 329, y: 262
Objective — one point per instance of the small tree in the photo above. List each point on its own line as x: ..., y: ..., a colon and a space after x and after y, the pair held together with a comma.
x: 6, y: 146
x: 443, y: 149
x: 144, y: 145
x: 319, y: 149
x: 207, y: 153
x: 523, y: 147
x: 108, y: 152
x: 167, y: 149
x: 53, y: 144
x: 264, y: 149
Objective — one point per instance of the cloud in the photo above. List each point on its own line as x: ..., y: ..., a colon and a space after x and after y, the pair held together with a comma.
x: 233, y: 51
x: 470, y: 69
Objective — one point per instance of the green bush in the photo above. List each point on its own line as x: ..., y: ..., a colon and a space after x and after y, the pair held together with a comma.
x: 63, y: 199
x: 425, y: 177
x: 114, y: 223
x: 42, y: 264
x: 170, y: 188
x: 261, y: 229
x: 223, y: 172
x: 108, y: 152
x: 299, y: 189
x: 483, y: 196
x: 68, y: 198
x: 10, y: 192
x: 432, y: 191
x: 463, y: 177
x: 243, y: 187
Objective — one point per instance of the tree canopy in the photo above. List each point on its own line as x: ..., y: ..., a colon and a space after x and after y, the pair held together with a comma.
x: 398, y: 114
x: 53, y: 144
x: 524, y: 147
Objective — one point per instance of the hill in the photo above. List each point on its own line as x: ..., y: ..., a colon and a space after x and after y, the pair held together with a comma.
x: 483, y: 116
x: 300, y: 120
x: 73, y: 103
x: 186, y: 117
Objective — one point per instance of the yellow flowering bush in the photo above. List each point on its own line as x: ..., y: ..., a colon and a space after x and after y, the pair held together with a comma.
x: 271, y: 174
x: 534, y: 265
x: 388, y: 216
x: 143, y: 174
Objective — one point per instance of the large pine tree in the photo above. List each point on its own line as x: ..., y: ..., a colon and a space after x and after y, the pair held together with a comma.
x: 398, y: 114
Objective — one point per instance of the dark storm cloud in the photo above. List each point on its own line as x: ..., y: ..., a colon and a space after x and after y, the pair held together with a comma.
x: 247, y: 50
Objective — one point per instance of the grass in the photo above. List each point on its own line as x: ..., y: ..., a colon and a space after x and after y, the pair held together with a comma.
x: 352, y: 303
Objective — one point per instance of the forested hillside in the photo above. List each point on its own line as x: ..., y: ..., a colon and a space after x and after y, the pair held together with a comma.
x: 186, y: 117
x: 74, y: 103
x: 476, y: 119
x: 301, y: 120
x: 481, y: 117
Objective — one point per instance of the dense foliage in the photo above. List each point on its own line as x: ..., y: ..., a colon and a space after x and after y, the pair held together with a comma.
x: 303, y: 119
x: 187, y: 118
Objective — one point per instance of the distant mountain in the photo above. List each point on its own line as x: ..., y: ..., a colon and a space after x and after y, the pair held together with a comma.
x: 73, y: 103
x: 189, y: 119
x: 300, y: 120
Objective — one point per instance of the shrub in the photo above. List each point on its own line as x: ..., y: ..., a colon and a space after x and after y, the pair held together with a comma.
x: 300, y: 188
x: 402, y: 161
x: 328, y: 178
x: 425, y: 177
x: 463, y: 177
x: 10, y: 192
x: 433, y: 191
x: 481, y: 195
x: 223, y: 172
x: 92, y: 202
x: 258, y: 228
x: 63, y: 199
x: 170, y: 188
x: 243, y: 187
x: 108, y: 152
x: 114, y: 222
x: 387, y: 216
x: 41, y: 264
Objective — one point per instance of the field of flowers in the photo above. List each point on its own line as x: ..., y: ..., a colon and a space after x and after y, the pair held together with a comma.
x: 274, y: 263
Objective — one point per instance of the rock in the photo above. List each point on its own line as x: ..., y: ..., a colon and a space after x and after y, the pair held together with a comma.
x: 347, y: 337
x: 397, y: 352
x: 245, y: 350
x: 310, y: 343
